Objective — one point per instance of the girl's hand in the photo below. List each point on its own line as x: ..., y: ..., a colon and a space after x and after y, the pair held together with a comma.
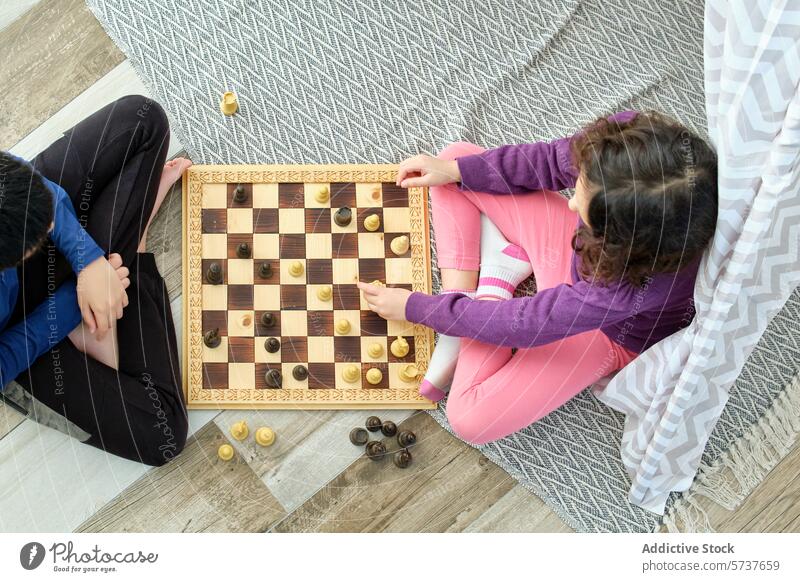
x: 388, y: 302
x: 425, y: 170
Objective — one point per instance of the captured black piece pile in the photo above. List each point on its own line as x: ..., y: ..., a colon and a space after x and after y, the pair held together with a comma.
x: 376, y: 450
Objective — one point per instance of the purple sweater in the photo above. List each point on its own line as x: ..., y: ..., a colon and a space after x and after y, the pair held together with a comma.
x: 634, y: 318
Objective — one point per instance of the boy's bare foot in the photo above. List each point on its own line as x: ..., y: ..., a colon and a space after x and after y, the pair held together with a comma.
x: 172, y: 172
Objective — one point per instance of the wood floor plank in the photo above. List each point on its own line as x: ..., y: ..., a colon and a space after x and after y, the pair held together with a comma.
x: 51, y: 55
x: 447, y: 488
x: 518, y: 511
x: 11, y: 10
x: 197, y: 492
x: 9, y: 419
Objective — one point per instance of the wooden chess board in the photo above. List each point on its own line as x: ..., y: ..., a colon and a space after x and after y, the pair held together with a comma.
x: 275, y: 211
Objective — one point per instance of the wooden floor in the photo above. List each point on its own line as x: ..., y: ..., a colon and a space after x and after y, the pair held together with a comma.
x: 62, y: 67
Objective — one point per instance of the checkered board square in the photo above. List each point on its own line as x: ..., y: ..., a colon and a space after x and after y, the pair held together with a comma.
x: 275, y: 211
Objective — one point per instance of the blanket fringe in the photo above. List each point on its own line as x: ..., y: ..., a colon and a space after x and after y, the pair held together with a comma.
x: 734, y: 475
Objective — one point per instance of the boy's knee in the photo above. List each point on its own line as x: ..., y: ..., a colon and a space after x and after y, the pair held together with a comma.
x: 145, y: 111
x: 458, y: 149
x: 169, y: 441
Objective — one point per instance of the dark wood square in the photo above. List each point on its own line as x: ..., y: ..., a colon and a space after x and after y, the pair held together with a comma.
x: 346, y: 297
x: 383, y: 367
x: 248, y: 201
x: 387, y: 246
x: 410, y: 357
x: 265, y: 220
x: 206, y: 263
x: 262, y: 331
x: 394, y: 196
x: 241, y: 349
x: 372, y: 324
x: 321, y: 375
x: 276, y: 272
x: 215, y: 319
x: 318, y: 220
x: 344, y: 245
x: 294, y: 349
x: 343, y: 194
x: 363, y: 213
x: 320, y: 323
x: 234, y: 240
x: 319, y: 271
x: 371, y: 269
x: 240, y: 297
x: 347, y: 348
x: 215, y: 220
x: 261, y: 372
x: 291, y: 195
x: 293, y: 297
x: 215, y: 375
x: 292, y: 246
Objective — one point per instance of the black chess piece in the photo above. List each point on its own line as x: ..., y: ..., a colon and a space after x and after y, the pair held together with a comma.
x: 265, y: 270
x: 343, y: 216
x: 272, y: 345
x: 273, y: 378
x: 239, y: 195
x: 268, y: 319
x: 389, y: 428
x: 402, y: 458
x: 359, y: 436
x: 300, y: 372
x: 375, y: 450
x: 406, y: 438
x: 243, y: 251
x: 214, y: 273
x: 212, y: 338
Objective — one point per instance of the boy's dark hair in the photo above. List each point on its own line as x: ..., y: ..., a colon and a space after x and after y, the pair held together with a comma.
x: 653, y: 197
x: 26, y: 210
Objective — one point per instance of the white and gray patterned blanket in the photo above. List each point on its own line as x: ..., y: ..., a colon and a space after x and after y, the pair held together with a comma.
x: 375, y: 81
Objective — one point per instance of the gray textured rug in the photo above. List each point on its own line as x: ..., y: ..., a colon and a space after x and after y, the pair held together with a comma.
x: 340, y: 81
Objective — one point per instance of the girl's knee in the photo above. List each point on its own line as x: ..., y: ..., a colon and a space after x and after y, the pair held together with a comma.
x: 458, y: 149
x: 468, y: 429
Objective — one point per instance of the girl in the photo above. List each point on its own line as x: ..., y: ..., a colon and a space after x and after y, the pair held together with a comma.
x: 612, y: 281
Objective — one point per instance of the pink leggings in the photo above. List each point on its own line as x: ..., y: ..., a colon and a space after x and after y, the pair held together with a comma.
x: 494, y: 393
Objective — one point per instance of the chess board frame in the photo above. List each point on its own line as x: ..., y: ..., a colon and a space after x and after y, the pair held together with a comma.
x: 198, y: 397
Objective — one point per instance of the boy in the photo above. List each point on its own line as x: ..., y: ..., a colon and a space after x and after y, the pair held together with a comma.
x: 88, y: 336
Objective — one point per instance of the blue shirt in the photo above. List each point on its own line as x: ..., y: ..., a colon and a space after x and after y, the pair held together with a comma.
x: 51, y: 321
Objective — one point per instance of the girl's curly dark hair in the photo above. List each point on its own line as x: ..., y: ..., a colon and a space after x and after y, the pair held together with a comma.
x: 652, y: 185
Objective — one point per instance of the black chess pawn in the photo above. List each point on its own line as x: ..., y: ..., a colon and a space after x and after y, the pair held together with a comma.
x: 300, y: 372
x: 268, y: 319
x: 273, y: 378
x: 214, y: 273
x: 239, y: 195
x: 243, y: 251
x: 265, y: 270
x: 402, y: 458
x: 272, y: 345
x: 212, y: 338
x: 343, y: 216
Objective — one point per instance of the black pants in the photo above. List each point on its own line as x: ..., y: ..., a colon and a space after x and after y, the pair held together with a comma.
x: 110, y: 165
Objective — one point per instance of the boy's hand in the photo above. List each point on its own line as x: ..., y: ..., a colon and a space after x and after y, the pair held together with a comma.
x: 388, y: 302
x: 101, y: 295
x: 425, y: 170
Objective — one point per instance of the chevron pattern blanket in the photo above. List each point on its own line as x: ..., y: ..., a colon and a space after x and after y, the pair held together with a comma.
x: 339, y: 81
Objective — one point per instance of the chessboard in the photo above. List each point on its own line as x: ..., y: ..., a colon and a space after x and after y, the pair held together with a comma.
x: 272, y: 316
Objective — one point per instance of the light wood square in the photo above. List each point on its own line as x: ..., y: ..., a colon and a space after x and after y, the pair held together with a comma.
x: 240, y: 220
x: 368, y: 195
x: 265, y: 195
x: 215, y: 246
x: 265, y: 246
x: 242, y: 376
x: 294, y: 323
x: 396, y: 328
x: 267, y: 297
x: 240, y: 271
x: 321, y: 349
x: 353, y: 316
x: 345, y: 271
x: 286, y: 278
x: 318, y: 245
x: 366, y: 342
x: 340, y: 382
x: 398, y: 270
x: 394, y: 376
x: 215, y: 297
x: 217, y: 354
x: 262, y: 356
x: 289, y: 380
x: 291, y: 220
x: 310, y: 190
x: 396, y: 220
x: 215, y: 196
x: 370, y: 245
x: 241, y: 323
x: 352, y: 227
x: 313, y: 302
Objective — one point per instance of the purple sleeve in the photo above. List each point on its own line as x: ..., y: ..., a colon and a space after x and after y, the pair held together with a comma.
x: 549, y: 315
x: 514, y: 169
